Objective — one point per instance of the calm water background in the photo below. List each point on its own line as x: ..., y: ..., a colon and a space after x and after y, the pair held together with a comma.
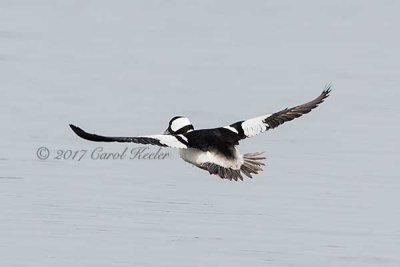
x: 329, y: 195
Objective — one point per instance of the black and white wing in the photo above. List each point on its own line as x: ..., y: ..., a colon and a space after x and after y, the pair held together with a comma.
x: 254, y: 126
x: 176, y: 141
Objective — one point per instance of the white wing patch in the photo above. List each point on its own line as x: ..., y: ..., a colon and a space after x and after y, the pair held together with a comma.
x: 230, y: 128
x: 183, y: 137
x: 169, y: 140
x: 255, y: 126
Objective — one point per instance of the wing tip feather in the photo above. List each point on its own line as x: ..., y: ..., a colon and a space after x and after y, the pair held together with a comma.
x: 78, y: 131
x: 327, y: 90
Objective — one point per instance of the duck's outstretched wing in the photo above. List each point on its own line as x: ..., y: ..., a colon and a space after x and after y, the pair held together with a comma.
x: 175, y: 141
x: 254, y: 126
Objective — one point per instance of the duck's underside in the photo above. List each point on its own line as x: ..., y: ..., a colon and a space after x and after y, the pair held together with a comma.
x: 251, y: 165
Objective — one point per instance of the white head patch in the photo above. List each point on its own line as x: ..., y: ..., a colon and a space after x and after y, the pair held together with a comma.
x: 179, y: 123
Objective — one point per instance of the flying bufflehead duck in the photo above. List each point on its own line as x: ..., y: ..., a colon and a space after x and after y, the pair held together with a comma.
x: 214, y: 150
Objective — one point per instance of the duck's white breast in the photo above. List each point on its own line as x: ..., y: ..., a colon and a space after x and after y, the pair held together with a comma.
x: 198, y: 157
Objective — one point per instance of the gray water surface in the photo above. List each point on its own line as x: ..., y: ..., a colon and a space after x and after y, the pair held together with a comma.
x: 329, y: 193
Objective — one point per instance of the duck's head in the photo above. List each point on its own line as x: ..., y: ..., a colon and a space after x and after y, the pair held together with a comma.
x: 179, y: 125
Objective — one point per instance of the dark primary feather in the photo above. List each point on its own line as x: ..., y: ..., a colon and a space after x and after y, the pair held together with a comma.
x: 289, y: 114
x: 99, y: 138
x: 284, y: 115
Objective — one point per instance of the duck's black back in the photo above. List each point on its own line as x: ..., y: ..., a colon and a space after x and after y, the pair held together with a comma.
x: 217, y: 139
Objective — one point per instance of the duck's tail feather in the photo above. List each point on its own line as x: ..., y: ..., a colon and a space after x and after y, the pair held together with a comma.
x: 252, y: 163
